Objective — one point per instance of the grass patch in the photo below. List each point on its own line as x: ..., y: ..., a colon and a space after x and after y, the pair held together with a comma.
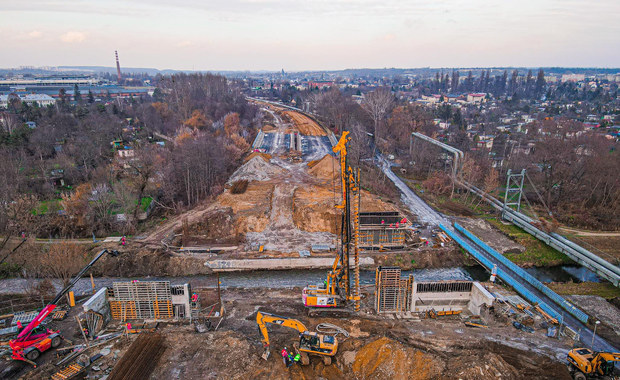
x: 455, y: 206
x: 145, y: 202
x: 45, y: 207
x: 601, y: 289
x: 536, y: 252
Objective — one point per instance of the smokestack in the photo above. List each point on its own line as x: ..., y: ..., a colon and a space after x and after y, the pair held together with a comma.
x: 118, y: 67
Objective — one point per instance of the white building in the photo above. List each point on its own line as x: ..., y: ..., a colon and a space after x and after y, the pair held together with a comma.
x: 42, y: 100
x: 476, y: 98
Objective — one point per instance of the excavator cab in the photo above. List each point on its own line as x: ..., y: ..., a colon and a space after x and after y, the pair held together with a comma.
x: 315, y: 343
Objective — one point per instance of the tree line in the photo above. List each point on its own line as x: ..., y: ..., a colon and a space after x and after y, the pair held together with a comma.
x: 66, y: 177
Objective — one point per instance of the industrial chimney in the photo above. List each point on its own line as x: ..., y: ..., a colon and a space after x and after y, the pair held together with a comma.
x: 118, y: 68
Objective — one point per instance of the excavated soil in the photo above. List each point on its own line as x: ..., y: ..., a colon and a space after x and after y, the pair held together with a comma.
x: 327, y: 168
x: 256, y: 169
x: 304, y: 124
x: 286, y: 207
x: 378, y: 348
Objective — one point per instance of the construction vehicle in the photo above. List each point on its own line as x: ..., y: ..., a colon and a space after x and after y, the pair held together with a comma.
x: 583, y: 363
x: 434, y: 314
x: 335, y: 291
x: 310, y: 343
x: 32, y: 341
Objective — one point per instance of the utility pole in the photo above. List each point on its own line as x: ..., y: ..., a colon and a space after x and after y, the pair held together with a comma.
x: 514, y: 189
x: 594, y: 334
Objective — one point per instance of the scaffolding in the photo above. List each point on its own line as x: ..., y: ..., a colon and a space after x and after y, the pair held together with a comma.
x: 382, y: 230
x: 392, y: 293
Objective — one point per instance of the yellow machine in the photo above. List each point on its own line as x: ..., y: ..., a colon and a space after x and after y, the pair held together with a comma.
x: 336, y: 289
x: 584, y: 363
x: 432, y: 313
x: 310, y: 342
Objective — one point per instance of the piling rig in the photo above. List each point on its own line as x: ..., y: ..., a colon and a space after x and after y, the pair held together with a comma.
x: 336, y: 290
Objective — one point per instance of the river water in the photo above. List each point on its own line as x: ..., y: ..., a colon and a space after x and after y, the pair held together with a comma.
x: 255, y: 279
x: 300, y: 278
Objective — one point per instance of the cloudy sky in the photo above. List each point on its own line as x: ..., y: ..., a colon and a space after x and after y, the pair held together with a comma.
x: 310, y: 34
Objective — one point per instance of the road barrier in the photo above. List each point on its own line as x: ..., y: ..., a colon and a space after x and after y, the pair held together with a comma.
x: 580, y: 315
x: 516, y: 285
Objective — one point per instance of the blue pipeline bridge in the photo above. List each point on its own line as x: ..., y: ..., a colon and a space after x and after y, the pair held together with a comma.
x: 526, y: 285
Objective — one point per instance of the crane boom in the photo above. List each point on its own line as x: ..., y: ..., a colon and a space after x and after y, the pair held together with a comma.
x: 25, y: 333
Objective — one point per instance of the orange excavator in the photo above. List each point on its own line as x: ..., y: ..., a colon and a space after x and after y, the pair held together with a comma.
x: 310, y: 343
x: 32, y: 340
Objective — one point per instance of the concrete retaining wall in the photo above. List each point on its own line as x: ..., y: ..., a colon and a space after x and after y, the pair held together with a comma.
x: 286, y: 263
x: 99, y: 304
x: 479, y: 296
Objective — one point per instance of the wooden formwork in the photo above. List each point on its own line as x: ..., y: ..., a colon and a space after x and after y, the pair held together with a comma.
x: 141, y: 300
x: 392, y: 293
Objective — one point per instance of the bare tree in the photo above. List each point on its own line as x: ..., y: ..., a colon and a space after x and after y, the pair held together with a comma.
x: 63, y: 261
x: 377, y: 104
x: 142, y: 168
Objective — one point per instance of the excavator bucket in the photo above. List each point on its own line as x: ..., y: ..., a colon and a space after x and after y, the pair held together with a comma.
x: 266, y: 353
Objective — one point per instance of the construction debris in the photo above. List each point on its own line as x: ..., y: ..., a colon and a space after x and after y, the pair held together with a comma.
x: 59, y: 315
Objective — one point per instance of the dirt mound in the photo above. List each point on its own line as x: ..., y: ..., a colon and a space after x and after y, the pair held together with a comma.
x: 250, y: 209
x: 256, y: 169
x: 216, y: 226
x: 387, y: 359
x: 314, y: 211
x: 266, y: 156
x: 327, y: 167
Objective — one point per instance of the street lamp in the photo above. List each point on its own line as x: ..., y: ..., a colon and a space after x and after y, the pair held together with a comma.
x: 594, y: 334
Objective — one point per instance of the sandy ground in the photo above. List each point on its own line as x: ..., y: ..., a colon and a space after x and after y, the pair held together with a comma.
x: 289, y: 204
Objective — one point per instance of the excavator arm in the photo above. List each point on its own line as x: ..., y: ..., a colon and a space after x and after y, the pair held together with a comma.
x: 262, y: 319
x: 603, y: 363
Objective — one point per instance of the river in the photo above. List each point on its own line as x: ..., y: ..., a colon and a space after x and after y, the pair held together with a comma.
x: 300, y: 278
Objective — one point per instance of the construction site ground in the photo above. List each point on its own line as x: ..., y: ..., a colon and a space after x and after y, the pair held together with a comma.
x: 378, y: 347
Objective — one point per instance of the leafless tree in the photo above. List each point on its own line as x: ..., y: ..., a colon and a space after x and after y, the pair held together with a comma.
x: 142, y: 169
x: 63, y: 261
x: 377, y: 104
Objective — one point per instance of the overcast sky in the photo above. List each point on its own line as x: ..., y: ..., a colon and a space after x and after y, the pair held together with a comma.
x: 310, y: 34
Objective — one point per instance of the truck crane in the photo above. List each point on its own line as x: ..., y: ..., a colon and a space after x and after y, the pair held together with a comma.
x: 310, y: 342
x: 336, y: 290
x: 28, y: 346
x: 584, y: 363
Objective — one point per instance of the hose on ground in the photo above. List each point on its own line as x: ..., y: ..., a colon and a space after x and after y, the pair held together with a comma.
x: 330, y: 329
